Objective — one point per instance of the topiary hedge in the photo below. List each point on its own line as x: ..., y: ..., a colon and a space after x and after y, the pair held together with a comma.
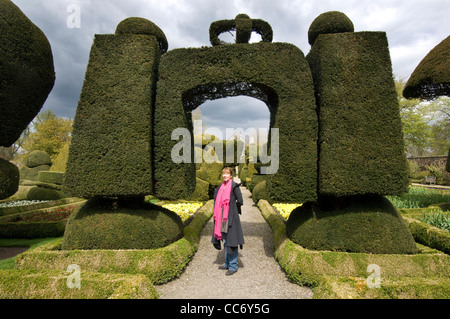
x: 52, y: 284
x: 26, y: 71
x: 329, y: 22
x: 111, y: 149
x: 160, y: 265
x: 135, y: 25
x: 243, y: 26
x: 361, y: 148
x: 270, y: 72
x: 110, y: 224
x: 367, y: 224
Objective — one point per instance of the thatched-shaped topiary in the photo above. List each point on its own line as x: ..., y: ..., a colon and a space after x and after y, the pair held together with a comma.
x: 26, y: 71
x: 431, y: 78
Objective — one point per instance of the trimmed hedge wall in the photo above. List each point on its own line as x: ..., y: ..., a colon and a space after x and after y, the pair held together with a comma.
x: 431, y: 78
x: 276, y: 73
x: 40, y: 222
x: 26, y: 71
x: 361, y: 149
x: 111, y: 149
x: 52, y: 284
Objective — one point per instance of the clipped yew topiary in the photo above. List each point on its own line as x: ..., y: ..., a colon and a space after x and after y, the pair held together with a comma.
x: 329, y: 22
x: 365, y: 224
x: 111, y: 224
x: 26, y: 71
x: 135, y: 25
x: 276, y: 73
x: 361, y: 148
x: 111, y: 149
x: 111, y: 154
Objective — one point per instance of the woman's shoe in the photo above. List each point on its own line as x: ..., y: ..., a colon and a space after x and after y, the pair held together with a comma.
x: 222, y: 267
x: 230, y: 272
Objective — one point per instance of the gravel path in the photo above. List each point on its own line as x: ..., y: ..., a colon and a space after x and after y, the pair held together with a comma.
x: 259, y: 275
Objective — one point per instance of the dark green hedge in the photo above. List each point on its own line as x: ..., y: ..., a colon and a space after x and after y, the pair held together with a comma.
x: 243, y: 26
x: 26, y: 71
x: 51, y: 177
x: 366, y: 224
x: 361, y: 149
x: 107, y: 224
x: 9, y: 178
x: 136, y: 25
x: 37, y: 158
x: 32, y: 230
x: 111, y: 149
x: 276, y: 73
x: 329, y: 22
x: 431, y: 78
x: 44, y: 193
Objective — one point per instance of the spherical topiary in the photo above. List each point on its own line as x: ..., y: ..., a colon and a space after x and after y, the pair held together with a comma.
x: 37, y: 158
x: 365, y: 224
x: 9, y: 178
x: 329, y: 22
x: 136, y: 25
x: 260, y: 192
x: 110, y: 224
x: 26, y: 71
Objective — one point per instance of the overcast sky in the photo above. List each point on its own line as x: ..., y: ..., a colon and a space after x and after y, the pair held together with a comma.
x: 413, y: 28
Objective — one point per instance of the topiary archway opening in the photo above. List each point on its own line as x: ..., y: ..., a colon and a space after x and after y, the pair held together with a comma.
x: 198, y: 95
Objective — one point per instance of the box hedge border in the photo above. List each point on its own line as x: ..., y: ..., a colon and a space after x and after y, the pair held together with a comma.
x: 160, y: 265
x: 325, y: 271
x: 12, y: 227
x: 52, y: 284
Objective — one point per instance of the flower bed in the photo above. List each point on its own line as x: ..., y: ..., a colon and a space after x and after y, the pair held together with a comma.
x: 184, y: 210
x: 40, y: 223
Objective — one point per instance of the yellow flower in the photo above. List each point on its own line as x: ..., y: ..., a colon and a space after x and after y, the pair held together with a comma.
x: 285, y: 209
x: 184, y: 210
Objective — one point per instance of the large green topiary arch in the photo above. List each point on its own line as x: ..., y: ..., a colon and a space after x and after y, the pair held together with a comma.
x: 188, y: 77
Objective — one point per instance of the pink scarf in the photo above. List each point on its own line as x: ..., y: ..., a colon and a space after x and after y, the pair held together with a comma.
x: 222, y: 201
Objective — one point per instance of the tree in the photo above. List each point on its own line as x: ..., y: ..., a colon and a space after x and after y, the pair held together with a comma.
x: 426, y: 124
x: 49, y: 133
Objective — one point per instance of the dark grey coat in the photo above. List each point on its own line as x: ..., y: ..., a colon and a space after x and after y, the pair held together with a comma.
x: 235, y: 236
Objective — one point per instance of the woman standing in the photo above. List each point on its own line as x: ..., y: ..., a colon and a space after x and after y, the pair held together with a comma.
x: 227, y: 224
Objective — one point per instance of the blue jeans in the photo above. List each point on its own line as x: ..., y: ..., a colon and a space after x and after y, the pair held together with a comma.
x: 231, y: 260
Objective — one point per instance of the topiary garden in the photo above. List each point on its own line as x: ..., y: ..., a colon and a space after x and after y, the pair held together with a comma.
x: 340, y: 153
